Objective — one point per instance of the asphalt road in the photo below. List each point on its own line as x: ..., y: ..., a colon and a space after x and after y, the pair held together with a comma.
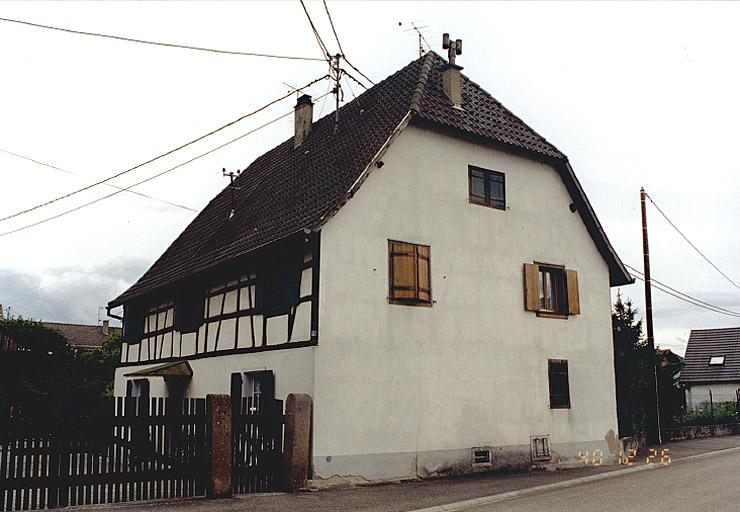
x: 707, y: 484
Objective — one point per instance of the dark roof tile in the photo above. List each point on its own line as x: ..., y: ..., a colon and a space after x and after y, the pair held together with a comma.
x: 706, y: 343
x: 288, y: 189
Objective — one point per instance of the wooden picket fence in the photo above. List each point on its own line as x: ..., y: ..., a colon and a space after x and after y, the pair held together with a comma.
x: 257, y: 446
x: 125, y: 450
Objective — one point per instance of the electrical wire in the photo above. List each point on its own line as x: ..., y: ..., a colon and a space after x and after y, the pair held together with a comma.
x: 344, y: 56
x: 683, y: 296
x: 107, y: 184
x: 316, y: 34
x: 156, y: 43
x: 158, y: 157
x: 691, y: 244
x: 331, y: 22
x: 354, y: 79
x: 90, y: 203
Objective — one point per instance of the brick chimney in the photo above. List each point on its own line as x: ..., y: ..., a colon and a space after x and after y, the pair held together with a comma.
x: 303, y: 119
x: 106, y: 327
x: 451, y: 84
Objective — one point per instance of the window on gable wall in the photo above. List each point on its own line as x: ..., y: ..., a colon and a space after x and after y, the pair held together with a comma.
x: 486, y: 187
x: 551, y: 290
x: 409, y: 274
x: 557, y: 373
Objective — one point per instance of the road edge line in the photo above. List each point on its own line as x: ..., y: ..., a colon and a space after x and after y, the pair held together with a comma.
x: 493, y: 498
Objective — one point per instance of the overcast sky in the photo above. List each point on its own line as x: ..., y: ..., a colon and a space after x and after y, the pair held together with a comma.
x: 636, y: 94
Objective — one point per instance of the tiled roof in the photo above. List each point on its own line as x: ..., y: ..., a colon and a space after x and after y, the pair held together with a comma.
x: 288, y: 189
x: 706, y: 343
x: 79, y: 335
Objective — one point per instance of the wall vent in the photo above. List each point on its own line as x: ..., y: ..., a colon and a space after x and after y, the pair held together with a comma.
x: 540, y: 448
x: 481, y: 456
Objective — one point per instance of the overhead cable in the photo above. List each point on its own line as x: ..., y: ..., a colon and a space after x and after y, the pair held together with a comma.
x: 108, y: 184
x: 684, y: 296
x: 692, y: 245
x: 156, y: 43
x: 158, y: 157
x: 90, y: 203
x: 320, y: 42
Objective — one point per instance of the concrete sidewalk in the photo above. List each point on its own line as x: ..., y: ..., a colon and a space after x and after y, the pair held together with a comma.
x: 416, y: 494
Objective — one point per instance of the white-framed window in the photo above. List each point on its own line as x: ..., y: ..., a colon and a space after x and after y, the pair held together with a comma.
x: 716, y: 360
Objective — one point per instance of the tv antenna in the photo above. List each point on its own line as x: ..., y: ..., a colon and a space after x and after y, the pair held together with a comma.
x: 232, y: 176
x: 420, y: 35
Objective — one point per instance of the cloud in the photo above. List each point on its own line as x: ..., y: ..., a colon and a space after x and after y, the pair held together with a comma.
x: 67, y: 294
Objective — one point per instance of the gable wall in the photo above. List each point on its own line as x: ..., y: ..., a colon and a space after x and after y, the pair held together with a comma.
x: 472, y: 369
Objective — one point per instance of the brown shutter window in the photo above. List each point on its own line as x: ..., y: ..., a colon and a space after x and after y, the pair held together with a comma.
x: 574, y: 306
x: 409, y: 273
x: 531, y: 287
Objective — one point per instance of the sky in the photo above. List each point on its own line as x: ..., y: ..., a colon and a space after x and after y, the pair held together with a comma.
x: 636, y: 94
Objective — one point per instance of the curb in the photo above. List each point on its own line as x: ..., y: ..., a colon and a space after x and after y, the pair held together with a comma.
x: 494, y: 498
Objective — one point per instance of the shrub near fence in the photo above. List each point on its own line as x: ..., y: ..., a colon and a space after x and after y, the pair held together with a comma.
x: 711, y: 409
x: 54, y: 454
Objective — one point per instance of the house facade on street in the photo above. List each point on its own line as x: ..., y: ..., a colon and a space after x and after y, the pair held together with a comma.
x: 429, y: 270
x: 711, y: 365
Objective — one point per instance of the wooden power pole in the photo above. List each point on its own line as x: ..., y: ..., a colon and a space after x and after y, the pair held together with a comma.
x: 653, y: 414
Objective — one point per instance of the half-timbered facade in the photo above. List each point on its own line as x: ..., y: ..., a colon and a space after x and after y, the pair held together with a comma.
x: 430, y: 271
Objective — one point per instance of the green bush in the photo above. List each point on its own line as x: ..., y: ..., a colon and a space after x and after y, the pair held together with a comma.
x: 722, y: 412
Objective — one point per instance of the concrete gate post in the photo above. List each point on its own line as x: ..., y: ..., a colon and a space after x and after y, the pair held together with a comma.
x: 218, y: 414
x: 297, y: 448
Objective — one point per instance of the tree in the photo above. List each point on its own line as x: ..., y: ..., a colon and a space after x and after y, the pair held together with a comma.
x: 49, y: 367
x: 632, y: 368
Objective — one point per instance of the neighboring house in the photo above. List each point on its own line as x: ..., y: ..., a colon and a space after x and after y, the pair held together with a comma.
x: 84, y: 336
x: 711, y: 365
x: 430, y: 272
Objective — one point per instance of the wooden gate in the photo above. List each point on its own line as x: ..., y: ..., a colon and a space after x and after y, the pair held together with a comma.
x: 257, y: 446
x: 125, y: 450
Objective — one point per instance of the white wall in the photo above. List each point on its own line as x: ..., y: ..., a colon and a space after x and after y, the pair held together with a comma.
x: 293, y: 369
x: 698, y: 394
x: 472, y: 369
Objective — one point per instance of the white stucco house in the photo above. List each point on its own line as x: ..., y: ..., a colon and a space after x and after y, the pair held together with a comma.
x: 430, y: 272
x: 711, y: 371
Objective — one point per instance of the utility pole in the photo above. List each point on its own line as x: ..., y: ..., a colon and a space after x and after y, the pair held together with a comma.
x: 336, y: 73
x: 653, y: 411
x: 232, y: 176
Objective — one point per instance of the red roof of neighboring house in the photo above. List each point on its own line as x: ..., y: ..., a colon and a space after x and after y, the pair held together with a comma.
x: 80, y: 335
x: 292, y: 188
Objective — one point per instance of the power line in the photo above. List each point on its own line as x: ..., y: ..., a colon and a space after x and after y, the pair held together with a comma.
x: 158, y: 157
x: 344, y: 56
x: 355, y: 80
x: 316, y: 33
x: 684, y: 296
x: 331, y: 22
x: 71, y: 210
x: 108, y: 184
x: 691, y: 244
x: 156, y: 43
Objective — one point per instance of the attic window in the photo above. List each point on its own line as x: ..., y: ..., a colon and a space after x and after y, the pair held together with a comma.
x: 716, y: 360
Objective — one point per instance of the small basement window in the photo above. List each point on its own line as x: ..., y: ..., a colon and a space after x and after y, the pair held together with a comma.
x: 481, y: 456
x: 540, y: 448
x: 716, y: 360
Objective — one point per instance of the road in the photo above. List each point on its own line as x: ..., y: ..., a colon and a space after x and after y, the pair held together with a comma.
x: 706, y: 484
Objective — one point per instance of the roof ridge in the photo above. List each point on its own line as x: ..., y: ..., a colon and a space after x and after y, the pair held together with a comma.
x: 421, y: 83
x: 68, y: 323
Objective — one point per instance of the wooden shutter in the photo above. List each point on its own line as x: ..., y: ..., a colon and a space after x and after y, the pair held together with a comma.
x: 423, y: 273
x: 574, y: 307
x: 403, y: 270
x: 531, y: 287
